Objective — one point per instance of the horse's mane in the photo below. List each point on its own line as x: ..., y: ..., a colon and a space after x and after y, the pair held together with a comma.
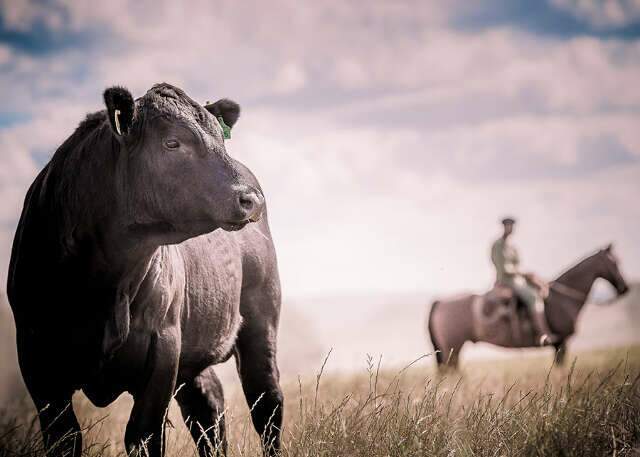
x: 79, y: 183
x: 576, y: 267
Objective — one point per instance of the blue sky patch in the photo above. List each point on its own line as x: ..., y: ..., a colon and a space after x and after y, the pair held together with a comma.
x: 41, y: 40
x: 9, y: 119
x: 537, y: 17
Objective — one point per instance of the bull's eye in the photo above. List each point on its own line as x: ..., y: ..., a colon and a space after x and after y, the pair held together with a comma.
x: 172, y: 144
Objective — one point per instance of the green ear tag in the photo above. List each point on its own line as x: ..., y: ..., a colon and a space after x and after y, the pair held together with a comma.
x: 226, y: 130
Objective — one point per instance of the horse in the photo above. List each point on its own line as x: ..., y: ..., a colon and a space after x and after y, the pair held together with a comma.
x: 143, y: 258
x: 496, y: 317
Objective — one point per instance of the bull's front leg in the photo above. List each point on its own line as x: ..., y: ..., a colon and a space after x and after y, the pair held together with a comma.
x: 51, y: 389
x: 145, y: 429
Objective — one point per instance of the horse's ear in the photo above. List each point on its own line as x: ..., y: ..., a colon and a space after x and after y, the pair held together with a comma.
x: 121, y: 109
x: 609, y: 247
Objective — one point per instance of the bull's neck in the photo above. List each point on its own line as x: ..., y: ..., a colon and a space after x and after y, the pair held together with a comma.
x: 91, y: 227
x: 120, y: 256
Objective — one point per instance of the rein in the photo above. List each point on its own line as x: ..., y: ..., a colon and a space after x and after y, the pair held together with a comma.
x: 574, y: 293
x: 568, y: 291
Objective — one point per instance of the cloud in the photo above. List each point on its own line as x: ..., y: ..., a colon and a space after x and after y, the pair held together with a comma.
x: 602, y: 14
x: 5, y: 54
x: 23, y: 15
x: 388, y: 139
x: 369, y: 210
x: 291, y: 77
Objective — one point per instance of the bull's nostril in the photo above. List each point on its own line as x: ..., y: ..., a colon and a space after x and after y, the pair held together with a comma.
x: 250, y: 203
x: 246, y: 202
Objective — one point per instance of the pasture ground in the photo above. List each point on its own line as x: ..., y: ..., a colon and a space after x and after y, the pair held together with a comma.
x: 510, y: 407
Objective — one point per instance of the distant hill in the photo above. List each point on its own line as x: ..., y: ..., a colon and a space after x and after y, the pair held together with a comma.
x: 632, y: 303
x: 389, y: 325
x: 394, y: 326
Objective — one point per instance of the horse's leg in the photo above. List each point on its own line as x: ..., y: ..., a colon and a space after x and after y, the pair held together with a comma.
x: 145, y: 429
x: 52, y: 398
x: 561, y: 351
x: 449, y: 353
x: 201, y: 401
x: 257, y: 367
x: 446, y: 340
x: 453, y: 355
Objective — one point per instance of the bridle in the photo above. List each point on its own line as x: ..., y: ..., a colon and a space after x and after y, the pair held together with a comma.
x: 570, y: 291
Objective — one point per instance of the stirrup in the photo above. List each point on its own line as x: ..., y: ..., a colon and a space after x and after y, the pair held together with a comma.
x: 544, y: 340
x: 547, y: 340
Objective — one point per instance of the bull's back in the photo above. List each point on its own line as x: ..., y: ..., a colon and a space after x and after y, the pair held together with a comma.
x: 31, y: 257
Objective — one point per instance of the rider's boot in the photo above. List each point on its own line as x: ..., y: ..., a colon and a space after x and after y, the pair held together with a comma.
x: 547, y: 337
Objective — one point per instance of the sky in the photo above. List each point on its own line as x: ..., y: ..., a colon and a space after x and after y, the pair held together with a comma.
x: 389, y: 137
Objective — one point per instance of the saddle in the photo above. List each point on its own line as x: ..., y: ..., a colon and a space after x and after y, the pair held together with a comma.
x: 500, y: 293
x: 501, y: 303
x: 498, y: 297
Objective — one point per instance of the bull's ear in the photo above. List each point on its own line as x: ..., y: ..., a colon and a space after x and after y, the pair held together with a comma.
x: 121, y: 109
x: 225, y: 108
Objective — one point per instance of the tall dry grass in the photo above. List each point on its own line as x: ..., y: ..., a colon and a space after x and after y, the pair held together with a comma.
x: 505, y: 408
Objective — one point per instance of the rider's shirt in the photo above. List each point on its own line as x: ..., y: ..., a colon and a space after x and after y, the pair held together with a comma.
x: 505, y: 258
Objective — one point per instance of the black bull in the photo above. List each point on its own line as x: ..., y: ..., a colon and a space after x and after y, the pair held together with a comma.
x: 143, y: 258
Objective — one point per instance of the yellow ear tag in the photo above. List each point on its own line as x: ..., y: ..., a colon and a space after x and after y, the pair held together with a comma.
x: 116, y: 113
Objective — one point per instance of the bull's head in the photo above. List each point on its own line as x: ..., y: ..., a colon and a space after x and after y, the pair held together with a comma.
x: 176, y: 178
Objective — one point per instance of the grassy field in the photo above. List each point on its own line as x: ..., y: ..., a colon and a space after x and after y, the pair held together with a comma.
x: 506, y: 408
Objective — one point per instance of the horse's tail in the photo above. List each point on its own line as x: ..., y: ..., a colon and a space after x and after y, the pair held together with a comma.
x: 436, y: 347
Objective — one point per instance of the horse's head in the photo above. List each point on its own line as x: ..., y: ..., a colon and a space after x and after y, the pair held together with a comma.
x: 610, y: 270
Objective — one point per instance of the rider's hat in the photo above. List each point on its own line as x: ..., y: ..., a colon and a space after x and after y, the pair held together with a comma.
x: 508, y: 220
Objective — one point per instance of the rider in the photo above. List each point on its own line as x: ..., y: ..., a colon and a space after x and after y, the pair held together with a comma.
x: 527, y: 286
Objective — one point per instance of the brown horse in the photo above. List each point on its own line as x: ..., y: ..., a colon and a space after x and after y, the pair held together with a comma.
x: 497, y: 318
